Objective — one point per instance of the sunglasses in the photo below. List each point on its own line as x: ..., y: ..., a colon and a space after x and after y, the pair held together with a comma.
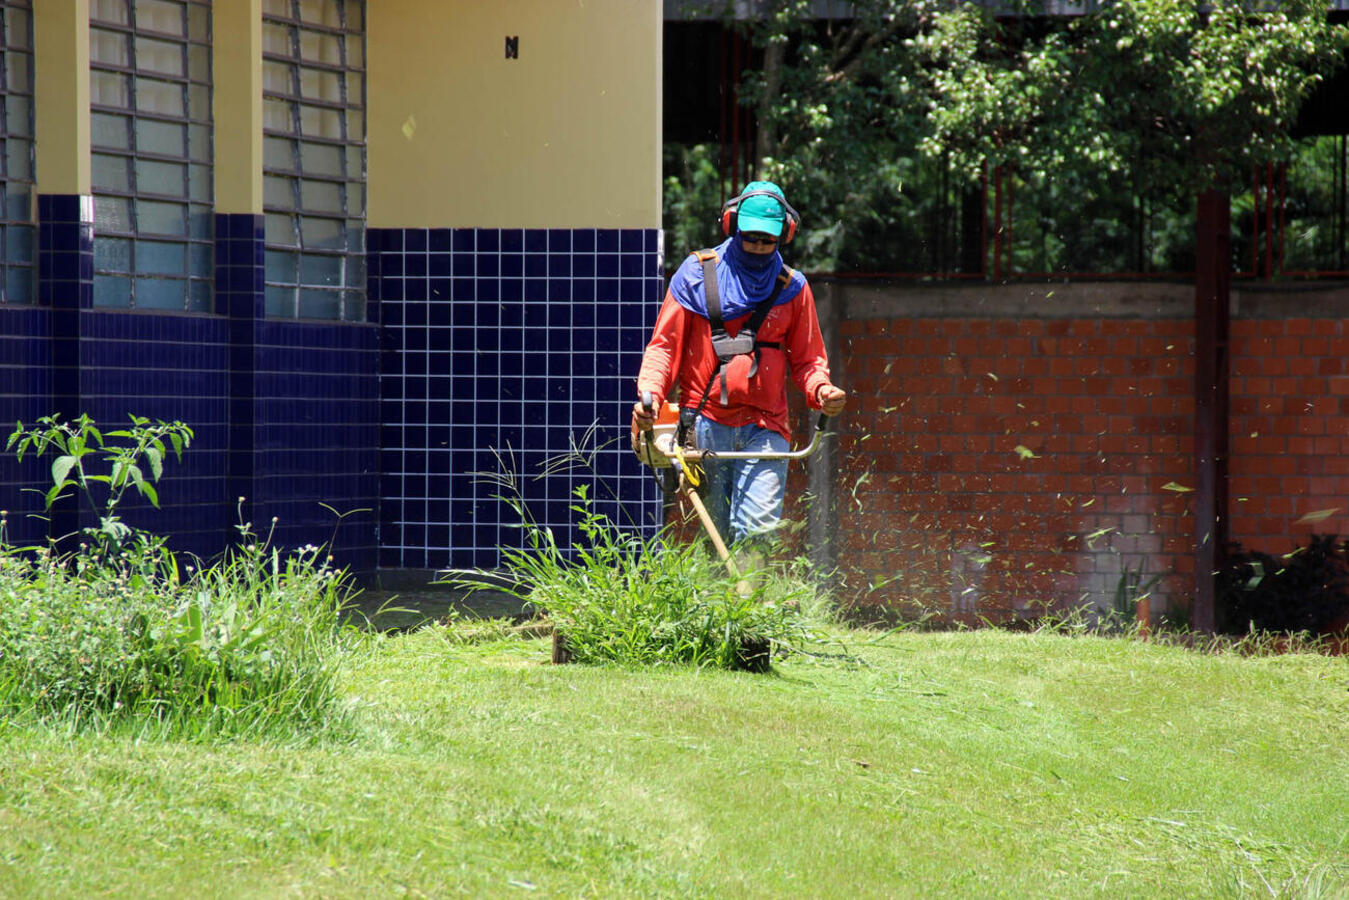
x: 758, y: 239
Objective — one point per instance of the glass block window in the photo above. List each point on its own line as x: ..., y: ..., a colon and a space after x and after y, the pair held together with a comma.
x: 16, y: 152
x: 313, y: 73
x: 150, y: 99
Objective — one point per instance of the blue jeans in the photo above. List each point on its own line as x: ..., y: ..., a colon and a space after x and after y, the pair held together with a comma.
x: 743, y: 496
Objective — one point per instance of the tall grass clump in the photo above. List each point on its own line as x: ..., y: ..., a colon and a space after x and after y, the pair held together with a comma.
x: 617, y: 596
x: 119, y: 629
x: 250, y: 641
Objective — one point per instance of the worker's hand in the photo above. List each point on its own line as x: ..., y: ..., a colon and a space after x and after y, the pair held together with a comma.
x: 832, y: 399
x: 644, y: 417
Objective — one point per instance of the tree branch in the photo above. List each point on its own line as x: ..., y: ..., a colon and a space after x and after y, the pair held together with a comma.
x: 765, y: 139
x: 858, y: 46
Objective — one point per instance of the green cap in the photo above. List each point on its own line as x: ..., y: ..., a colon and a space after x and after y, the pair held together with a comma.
x: 761, y: 213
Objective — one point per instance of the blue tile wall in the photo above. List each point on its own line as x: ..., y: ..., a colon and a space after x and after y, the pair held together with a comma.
x: 25, y: 372
x: 488, y: 350
x: 316, y: 434
x: 284, y: 413
x: 66, y: 288
x: 169, y: 367
x: 239, y: 285
x: 503, y: 350
x: 303, y: 410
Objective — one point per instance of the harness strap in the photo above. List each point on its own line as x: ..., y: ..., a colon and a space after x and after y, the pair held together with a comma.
x: 746, y: 340
x: 712, y: 292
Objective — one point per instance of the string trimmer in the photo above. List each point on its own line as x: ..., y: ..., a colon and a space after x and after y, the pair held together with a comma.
x: 660, y: 448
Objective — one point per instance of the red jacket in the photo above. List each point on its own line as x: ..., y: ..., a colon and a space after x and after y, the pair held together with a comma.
x: 680, y: 352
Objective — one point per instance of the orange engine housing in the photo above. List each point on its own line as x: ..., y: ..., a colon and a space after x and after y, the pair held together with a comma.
x: 663, y: 435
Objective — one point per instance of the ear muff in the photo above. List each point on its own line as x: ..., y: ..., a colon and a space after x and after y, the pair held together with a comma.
x: 789, y: 227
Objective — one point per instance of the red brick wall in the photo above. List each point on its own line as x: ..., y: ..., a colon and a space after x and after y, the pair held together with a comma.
x: 1290, y: 430
x: 1007, y: 452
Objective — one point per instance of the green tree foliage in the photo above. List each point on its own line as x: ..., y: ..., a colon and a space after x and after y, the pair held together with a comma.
x: 1183, y: 94
x: 1312, y: 241
x: 879, y: 126
x: 692, y: 192
x: 840, y: 110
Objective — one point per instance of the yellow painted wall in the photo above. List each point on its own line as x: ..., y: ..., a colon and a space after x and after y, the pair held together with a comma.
x: 61, y: 86
x: 567, y: 135
x: 237, y: 105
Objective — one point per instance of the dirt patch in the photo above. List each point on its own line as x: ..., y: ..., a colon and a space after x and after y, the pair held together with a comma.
x: 406, y: 599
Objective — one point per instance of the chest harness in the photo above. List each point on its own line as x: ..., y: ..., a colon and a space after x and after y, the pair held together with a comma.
x: 745, y: 343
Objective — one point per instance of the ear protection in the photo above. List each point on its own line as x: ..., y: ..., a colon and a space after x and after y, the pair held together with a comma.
x: 789, y: 228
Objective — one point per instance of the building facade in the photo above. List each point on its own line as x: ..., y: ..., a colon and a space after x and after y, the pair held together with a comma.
x: 375, y: 254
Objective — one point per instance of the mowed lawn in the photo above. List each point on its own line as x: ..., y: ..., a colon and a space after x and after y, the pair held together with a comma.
x: 970, y: 764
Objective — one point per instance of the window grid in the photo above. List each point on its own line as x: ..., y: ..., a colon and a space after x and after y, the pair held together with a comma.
x: 150, y: 94
x: 314, y: 158
x: 17, y: 251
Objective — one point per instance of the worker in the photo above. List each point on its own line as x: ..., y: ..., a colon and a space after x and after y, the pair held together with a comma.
x: 735, y: 323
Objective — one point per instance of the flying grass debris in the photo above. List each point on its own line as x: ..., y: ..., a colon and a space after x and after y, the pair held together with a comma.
x: 1099, y: 533
x: 1319, y: 515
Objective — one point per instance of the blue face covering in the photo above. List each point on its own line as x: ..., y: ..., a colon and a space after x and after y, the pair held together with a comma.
x: 744, y: 280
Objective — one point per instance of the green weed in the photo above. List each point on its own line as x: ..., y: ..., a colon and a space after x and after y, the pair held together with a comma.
x: 622, y: 597
x: 249, y: 641
x: 120, y: 630
x: 628, y: 599
x: 77, y: 446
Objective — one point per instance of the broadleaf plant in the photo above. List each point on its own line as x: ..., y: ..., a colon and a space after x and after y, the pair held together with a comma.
x: 79, y: 447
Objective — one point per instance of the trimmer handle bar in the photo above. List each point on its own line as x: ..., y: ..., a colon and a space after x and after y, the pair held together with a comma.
x: 696, y: 454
